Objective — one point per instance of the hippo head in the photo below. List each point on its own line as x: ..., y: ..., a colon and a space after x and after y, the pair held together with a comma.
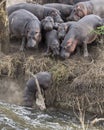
x: 55, y: 47
x: 56, y: 16
x: 33, y: 38
x: 79, y: 11
x: 62, y: 29
x: 45, y: 79
x: 47, y: 23
x: 68, y: 48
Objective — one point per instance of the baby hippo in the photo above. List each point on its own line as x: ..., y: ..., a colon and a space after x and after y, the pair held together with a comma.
x: 63, y: 28
x: 45, y: 81
x: 52, y: 42
x: 25, y: 25
x: 47, y: 23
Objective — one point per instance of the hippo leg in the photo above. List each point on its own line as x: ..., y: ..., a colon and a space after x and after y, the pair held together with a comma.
x: 23, y: 44
x: 85, y: 49
x: 78, y: 50
x: 48, y: 51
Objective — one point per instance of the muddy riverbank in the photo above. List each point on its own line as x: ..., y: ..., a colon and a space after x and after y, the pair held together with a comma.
x: 74, y: 80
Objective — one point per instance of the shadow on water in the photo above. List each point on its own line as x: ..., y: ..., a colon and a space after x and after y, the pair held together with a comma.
x: 13, y: 117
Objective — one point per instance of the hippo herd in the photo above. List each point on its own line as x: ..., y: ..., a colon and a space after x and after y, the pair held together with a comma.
x: 62, y: 27
x: 59, y: 26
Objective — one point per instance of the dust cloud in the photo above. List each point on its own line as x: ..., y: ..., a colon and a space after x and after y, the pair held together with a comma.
x: 11, y: 91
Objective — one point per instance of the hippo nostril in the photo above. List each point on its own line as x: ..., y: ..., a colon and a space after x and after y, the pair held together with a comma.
x: 48, y: 28
x: 31, y: 43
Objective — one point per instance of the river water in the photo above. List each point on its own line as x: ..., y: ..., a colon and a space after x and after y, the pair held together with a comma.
x: 13, y: 117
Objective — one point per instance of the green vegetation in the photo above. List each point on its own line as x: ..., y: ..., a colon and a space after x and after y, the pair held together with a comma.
x: 99, y: 30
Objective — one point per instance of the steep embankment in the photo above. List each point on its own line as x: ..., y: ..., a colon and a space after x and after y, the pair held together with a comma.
x: 75, y: 81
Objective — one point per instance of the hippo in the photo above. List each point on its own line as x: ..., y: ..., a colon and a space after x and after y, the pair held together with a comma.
x: 52, y: 42
x: 47, y: 23
x: 38, y: 10
x: 71, y: 2
x: 63, y: 28
x: 64, y: 9
x: 25, y: 25
x: 80, y: 33
x: 82, y: 9
x: 45, y: 81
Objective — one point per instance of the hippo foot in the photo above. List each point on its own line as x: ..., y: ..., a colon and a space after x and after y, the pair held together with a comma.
x: 46, y: 54
x: 21, y: 49
x: 86, y: 54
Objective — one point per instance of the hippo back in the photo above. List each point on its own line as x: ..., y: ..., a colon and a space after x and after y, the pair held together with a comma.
x: 18, y: 21
x: 45, y: 79
x: 36, y: 9
x: 98, y: 7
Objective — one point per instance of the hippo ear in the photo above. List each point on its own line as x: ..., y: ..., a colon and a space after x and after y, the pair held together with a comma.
x: 53, y: 13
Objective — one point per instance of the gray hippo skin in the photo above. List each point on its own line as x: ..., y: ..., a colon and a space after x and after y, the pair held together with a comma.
x: 82, y: 9
x: 47, y: 23
x: 25, y: 25
x: 63, y: 28
x: 52, y: 42
x: 71, y: 2
x: 64, y: 9
x: 38, y: 10
x: 45, y: 81
x: 80, y: 33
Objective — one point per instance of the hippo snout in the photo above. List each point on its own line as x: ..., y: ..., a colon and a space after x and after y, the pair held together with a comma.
x: 61, y: 35
x: 64, y: 54
x: 48, y: 27
x: 31, y: 43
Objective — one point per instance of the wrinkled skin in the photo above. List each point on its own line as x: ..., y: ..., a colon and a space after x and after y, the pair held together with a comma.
x: 71, y: 2
x: 63, y: 28
x: 23, y: 24
x: 80, y: 33
x: 45, y: 81
x: 47, y: 23
x: 52, y: 42
x: 82, y: 9
x: 64, y: 9
x: 38, y: 10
